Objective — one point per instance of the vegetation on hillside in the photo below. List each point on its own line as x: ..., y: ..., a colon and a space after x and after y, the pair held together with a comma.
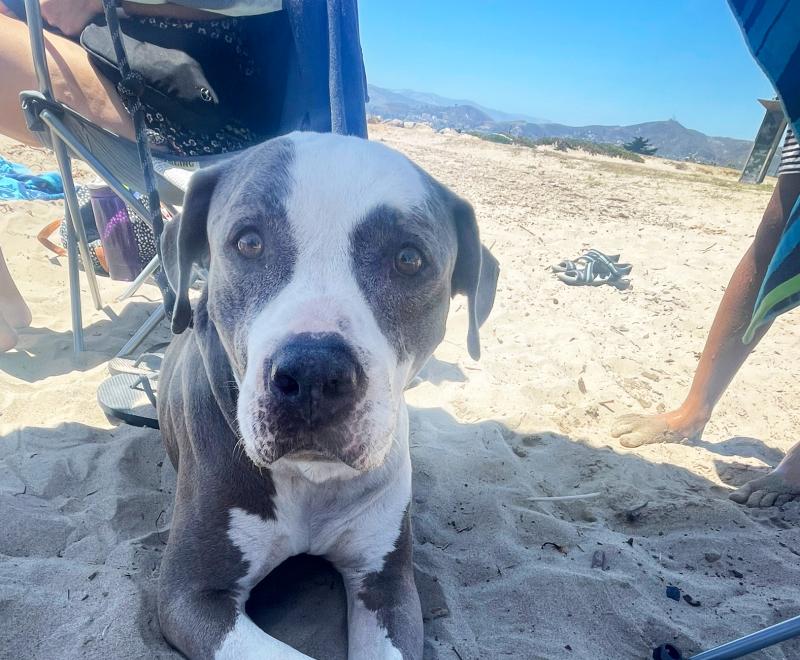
x: 562, y: 144
x: 640, y: 145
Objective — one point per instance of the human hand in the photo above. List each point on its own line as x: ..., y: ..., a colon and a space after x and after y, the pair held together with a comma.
x: 70, y: 16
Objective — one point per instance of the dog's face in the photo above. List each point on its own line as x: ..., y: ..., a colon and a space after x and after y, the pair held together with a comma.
x: 331, y: 263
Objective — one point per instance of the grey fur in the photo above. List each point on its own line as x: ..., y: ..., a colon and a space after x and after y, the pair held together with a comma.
x: 392, y: 594
x: 200, y: 591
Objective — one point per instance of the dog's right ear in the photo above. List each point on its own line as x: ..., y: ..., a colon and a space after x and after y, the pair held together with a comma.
x: 184, y: 242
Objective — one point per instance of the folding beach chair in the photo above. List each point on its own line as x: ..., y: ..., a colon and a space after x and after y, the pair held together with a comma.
x: 316, y: 51
x: 124, y: 165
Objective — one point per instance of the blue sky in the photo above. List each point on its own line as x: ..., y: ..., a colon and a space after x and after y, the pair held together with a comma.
x: 572, y: 61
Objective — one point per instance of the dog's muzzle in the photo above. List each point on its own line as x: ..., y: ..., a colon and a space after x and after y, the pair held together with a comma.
x: 313, y: 392
x: 315, y: 381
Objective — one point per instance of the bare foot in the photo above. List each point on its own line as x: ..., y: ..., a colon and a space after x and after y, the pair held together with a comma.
x: 8, y: 337
x: 776, y: 488
x: 638, y: 430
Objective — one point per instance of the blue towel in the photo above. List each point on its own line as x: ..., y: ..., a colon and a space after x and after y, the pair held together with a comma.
x: 17, y: 182
x: 772, y: 31
x: 326, y: 86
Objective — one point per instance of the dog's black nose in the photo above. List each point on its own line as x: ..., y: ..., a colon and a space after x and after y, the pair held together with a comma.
x: 315, y: 379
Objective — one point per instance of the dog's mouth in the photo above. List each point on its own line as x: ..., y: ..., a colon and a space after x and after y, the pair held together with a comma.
x: 328, y: 446
x: 310, y: 455
x: 334, y: 445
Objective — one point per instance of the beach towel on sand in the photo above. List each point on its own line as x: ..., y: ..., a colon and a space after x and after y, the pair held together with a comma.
x: 18, y: 182
x: 772, y: 31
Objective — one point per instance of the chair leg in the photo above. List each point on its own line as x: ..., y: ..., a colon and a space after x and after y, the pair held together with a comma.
x: 141, y: 334
x: 65, y: 167
x: 74, y: 288
x: 147, y: 271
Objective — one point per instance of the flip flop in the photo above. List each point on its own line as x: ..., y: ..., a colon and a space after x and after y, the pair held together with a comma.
x: 593, y: 269
x: 130, y: 398
x: 588, y: 277
x: 146, y: 364
x: 612, y: 265
x: 591, y: 255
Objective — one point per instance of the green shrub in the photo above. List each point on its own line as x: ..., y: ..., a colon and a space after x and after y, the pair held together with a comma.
x: 562, y: 144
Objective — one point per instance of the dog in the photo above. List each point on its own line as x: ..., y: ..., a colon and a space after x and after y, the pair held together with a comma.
x: 331, y: 263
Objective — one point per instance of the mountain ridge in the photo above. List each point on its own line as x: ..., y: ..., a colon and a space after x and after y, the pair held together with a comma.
x: 673, y: 139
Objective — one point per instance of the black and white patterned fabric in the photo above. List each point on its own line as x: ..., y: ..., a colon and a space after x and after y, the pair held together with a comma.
x: 164, y: 133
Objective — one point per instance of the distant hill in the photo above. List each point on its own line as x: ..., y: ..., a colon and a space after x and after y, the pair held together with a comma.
x: 672, y: 139
x: 390, y: 104
x: 435, y: 99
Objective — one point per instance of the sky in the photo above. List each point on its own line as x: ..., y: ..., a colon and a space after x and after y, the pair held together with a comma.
x: 574, y: 62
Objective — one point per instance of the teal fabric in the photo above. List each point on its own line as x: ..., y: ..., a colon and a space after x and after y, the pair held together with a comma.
x: 771, y: 29
x: 18, y: 182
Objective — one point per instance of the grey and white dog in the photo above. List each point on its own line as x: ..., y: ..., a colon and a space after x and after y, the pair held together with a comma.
x: 331, y: 264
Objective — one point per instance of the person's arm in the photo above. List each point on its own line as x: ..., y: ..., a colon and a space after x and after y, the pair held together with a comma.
x: 71, y: 16
x: 168, y: 10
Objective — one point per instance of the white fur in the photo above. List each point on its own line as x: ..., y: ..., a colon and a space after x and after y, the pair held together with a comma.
x: 355, y: 526
x: 307, y: 522
x: 246, y: 641
x: 319, y: 471
x: 367, y: 639
x: 323, y: 294
x: 356, y: 535
x: 264, y: 544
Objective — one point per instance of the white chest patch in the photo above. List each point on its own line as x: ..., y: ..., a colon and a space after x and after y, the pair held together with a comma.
x: 263, y: 544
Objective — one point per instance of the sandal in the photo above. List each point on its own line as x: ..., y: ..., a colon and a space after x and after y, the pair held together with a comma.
x: 594, y: 269
x: 563, y: 266
x: 146, y: 364
x: 130, y: 398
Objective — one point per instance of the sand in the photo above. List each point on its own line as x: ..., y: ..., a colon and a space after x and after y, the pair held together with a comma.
x: 85, y: 506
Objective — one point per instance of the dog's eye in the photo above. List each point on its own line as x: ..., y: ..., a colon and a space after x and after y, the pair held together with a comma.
x: 408, y: 261
x: 250, y: 245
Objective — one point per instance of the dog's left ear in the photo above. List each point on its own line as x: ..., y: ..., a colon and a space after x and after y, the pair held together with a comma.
x: 475, y: 273
x: 184, y: 242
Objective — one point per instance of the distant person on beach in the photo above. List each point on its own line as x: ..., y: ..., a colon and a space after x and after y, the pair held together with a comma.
x: 725, y: 352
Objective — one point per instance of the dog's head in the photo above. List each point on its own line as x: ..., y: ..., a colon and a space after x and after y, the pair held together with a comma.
x: 331, y: 264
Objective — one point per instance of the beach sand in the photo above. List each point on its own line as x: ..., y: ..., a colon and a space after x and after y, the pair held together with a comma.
x: 85, y: 506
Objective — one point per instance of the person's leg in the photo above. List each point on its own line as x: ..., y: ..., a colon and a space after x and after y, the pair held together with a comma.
x: 724, y: 352
x: 14, y: 313
x: 75, y: 82
x: 8, y: 336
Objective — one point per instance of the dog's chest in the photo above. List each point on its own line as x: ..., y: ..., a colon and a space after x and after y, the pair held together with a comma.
x: 337, y: 519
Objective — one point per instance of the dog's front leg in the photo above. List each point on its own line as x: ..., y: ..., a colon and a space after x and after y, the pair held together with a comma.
x: 214, y: 556
x: 383, y: 610
x: 211, y: 625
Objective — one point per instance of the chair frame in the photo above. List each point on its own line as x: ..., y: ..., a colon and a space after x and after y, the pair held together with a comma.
x: 66, y: 146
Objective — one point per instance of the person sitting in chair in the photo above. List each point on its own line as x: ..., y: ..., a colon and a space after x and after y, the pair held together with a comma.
x: 273, y: 67
x: 82, y: 87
